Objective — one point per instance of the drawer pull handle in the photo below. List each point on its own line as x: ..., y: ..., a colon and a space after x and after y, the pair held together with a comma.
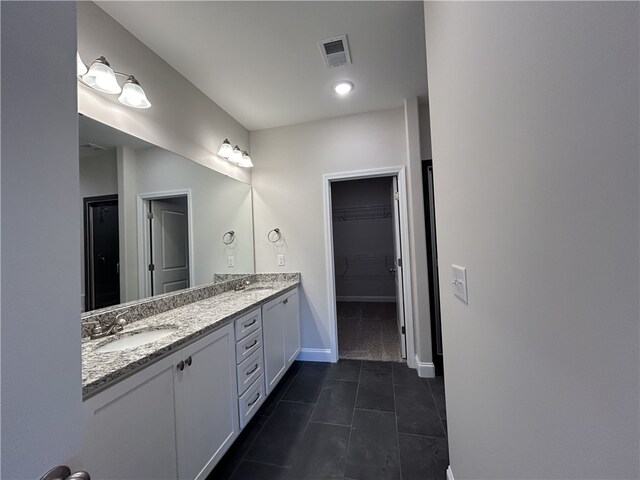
x: 247, y: 325
x: 180, y: 365
x: 285, y: 301
x: 255, y: 342
x: 188, y: 361
x: 253, y: 370
x: 250, y: 404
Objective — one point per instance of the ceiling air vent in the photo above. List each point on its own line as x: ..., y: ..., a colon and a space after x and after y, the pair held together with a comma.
x: 335, y: 51
x: 92, y: 147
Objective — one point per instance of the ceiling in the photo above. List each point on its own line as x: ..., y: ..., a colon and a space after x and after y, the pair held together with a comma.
x: 260, y: 61
x: 95, y: 133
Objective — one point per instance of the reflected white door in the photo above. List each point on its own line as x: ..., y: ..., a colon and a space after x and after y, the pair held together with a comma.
x: 397, y: 265
x: 169, y: 246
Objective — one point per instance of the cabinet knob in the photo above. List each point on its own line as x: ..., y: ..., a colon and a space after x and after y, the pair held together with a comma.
x: 188, y: 361
x: 180, y: 365
x: 285, y: 301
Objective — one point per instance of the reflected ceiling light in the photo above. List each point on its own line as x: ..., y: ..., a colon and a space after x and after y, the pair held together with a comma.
x: 342, y: 87
x: 102, y: 78
x: 133, y: 95
x: 225, y: 149
x: 80, y: 66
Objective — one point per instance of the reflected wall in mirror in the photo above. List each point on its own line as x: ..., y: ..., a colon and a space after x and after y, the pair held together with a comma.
x: 155, y: 222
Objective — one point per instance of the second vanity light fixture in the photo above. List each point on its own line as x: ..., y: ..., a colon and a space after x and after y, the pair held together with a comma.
x: 236, y: 156
x: 101, y: 77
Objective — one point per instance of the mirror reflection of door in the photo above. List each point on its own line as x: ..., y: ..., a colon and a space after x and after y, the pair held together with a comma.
x: 169, y: 248
x: 102, y: 278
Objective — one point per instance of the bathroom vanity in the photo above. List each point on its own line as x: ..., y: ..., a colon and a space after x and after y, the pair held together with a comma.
x: 171, y: 406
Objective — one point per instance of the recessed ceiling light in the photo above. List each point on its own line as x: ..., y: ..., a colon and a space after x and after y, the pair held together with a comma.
x: 342, y: 87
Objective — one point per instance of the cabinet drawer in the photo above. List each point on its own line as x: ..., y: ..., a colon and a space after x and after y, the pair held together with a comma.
x: 248, y: 345
x: 250, y: 401
x: 249, y: 370
x: 248, y: 323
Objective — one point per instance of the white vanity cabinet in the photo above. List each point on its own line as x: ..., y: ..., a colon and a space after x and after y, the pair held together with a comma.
x: 173, y: 419
x: 249, y: 357
x: 281, y: 336
x: 206, y: 403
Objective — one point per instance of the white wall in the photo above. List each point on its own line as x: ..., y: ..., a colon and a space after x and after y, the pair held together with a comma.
x: 40, y: 343
x: 181, y: 119
x: 288, y: 194
x: 535, y: 121
x: 219, y: 204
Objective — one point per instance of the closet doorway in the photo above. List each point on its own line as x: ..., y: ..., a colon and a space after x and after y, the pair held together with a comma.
x: 368, y: 278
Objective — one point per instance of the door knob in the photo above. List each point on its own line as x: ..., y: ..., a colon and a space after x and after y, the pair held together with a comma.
x: 188, y: 361
x: 180, y: 365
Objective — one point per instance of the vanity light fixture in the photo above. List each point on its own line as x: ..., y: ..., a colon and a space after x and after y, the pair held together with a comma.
x: 236, y: 156
x: 225, y: 150
x: 80, y: 66
x: 246, y: 160
x: 342, y: 87
x: 101, y: 77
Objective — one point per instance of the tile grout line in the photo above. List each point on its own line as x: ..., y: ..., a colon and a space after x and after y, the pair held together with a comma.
x: 446, y: 433
x: 244, y: 454
x: 395, y: 416
x: 353, y: 415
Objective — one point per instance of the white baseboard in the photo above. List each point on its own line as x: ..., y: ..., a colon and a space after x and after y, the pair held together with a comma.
x: 425, y: 369
x: 362, y: 298
x: 449, y: 473
x: 315, y: 355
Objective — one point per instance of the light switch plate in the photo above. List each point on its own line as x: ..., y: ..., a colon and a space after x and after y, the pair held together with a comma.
x: 459, y: 282
x: 281, y: 260
x: 230, y: 261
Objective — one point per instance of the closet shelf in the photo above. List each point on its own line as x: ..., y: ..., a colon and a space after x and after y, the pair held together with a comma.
x: 363, y: 266
x: 364, y: 212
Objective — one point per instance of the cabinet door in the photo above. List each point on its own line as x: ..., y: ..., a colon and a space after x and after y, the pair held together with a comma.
x: 130, y: 427
x: 291, y: 327
x: 273, y: 342
x: 207, y: 403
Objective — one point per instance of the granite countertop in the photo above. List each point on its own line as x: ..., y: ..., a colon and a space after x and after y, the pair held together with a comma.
x: 192, y: 321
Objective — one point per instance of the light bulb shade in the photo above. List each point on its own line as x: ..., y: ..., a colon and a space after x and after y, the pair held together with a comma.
x: 80, y: 66
x: 236, y: 156
x: 100, y: 77
x: 246, y: 161
x: 225, y: 149
x: 342, y: 87
x: 133, y: 95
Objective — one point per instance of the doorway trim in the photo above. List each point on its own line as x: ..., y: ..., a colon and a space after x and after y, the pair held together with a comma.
x: 142, y: 199
x: 327, y: 178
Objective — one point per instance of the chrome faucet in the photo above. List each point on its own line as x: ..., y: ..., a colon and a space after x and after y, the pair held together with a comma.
x: 116, y: 326
x: 241, y: 286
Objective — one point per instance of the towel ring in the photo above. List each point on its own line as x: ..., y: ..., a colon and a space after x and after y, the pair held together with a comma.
x: 229, y: 237
x: 274, y: 235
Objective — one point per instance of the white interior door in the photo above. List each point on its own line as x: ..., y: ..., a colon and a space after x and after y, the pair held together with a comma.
x: 169, y: 245
x: 397, y: 265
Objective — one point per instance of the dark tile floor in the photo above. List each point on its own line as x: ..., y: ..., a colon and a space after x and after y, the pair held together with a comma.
x: 368, y: 331
x: 352, y: 420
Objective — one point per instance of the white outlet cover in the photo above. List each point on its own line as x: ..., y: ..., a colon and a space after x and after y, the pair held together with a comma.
x: 281, y: 260
x: 230, y: 261
x: 459, y: 282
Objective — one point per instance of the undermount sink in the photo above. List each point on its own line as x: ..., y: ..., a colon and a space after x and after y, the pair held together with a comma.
x: 257, y: 289
x: 135, y: 339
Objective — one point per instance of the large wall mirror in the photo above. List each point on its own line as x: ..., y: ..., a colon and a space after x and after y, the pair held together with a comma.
x: 154, y: 222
